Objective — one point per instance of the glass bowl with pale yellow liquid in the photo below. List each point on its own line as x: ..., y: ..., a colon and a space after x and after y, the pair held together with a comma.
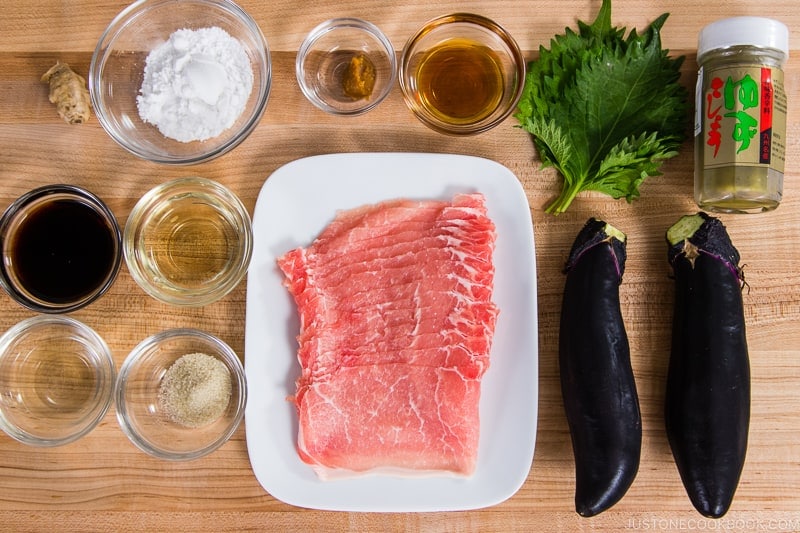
x: 462, y: 74
x: 57, y: 380
x: 188, y: 241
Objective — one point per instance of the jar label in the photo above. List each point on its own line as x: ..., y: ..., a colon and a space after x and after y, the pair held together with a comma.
x: 741, y: 114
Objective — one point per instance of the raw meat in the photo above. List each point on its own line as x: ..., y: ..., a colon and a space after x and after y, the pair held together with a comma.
x: 396, y: 326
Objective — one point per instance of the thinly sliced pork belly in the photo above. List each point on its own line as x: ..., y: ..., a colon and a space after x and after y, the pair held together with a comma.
x: 396, y: 326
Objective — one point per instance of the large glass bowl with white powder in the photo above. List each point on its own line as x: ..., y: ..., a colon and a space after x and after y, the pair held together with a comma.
x: 180, y: 394
x: 180, y: 82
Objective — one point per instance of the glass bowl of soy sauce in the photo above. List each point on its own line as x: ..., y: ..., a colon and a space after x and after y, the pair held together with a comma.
x: 61, y: 249
x: 462, y: 74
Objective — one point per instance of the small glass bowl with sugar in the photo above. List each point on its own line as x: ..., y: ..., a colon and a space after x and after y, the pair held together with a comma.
x: 180, y: 394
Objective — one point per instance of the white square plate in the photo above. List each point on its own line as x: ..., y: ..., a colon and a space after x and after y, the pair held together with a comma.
x: 294, y: 205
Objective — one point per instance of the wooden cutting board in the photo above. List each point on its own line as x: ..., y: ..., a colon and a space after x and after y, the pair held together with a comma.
x: 103, y: 482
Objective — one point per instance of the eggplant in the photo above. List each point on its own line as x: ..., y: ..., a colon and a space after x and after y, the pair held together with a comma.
x: 707, y: 408
x: 597, y: 383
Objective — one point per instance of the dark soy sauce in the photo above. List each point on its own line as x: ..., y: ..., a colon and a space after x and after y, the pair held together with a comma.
x: 63, y: 251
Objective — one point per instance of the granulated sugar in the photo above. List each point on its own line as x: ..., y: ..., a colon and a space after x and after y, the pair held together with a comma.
x: 196, y: 84
x: 195, y: 390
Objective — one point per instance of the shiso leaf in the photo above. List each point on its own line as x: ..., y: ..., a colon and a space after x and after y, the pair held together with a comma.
x: 604, y: 110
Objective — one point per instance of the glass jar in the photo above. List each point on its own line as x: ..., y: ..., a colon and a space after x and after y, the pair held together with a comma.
x: 740, y: 117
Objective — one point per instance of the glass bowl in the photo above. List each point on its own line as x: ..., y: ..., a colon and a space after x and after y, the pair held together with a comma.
x: 117, y: 73
x: 462, y: 74
x: 61, y: 249
x: 346, y: 66
x: 188, y: 241
x: 56, y: 380
x: 169, y: 415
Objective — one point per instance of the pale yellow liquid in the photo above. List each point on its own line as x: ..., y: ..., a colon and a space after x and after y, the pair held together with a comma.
x: 190, y: 243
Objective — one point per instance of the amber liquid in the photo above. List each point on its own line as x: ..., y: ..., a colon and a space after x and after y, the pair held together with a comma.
x: 460, y: 81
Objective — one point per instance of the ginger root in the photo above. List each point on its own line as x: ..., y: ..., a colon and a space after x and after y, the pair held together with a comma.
x: 68, y: 92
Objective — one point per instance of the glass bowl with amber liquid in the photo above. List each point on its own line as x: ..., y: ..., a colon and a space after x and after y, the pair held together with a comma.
x: 462, y: 74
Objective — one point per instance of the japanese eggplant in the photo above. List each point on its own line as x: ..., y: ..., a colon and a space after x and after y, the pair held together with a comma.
x: 597, y: 383
x: 707, y: 411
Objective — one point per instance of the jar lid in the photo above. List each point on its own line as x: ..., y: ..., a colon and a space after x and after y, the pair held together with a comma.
x: 742, y: 31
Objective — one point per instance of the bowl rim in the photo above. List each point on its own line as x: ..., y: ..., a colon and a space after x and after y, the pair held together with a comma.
x: 105, y: 369
x: 147, y: 202
x: 100, y: 207
x: 476, y: 20
x: 337, y: 23
x: 134, y: 356
x: 101, y: 53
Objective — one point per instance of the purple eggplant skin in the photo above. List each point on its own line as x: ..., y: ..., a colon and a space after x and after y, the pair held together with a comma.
x: 707, y: 408
x: 597, y: 382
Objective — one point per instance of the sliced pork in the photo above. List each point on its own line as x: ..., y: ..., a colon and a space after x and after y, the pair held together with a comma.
x: 396, y: 326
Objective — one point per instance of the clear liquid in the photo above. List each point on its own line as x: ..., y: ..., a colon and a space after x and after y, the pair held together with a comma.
x: 62, y: 384
x: 49, y: 383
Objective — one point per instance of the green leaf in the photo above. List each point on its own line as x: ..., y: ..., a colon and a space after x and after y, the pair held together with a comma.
x: 551, y: 142
x: 627, y: 165
x: 604, y: 109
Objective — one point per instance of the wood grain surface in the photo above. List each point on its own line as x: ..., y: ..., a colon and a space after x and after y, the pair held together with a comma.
x: 103, y: 483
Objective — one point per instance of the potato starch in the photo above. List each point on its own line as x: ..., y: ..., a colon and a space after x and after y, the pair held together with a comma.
x: 196, y: 84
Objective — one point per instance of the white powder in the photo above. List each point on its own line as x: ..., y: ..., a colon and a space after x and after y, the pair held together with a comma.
x: 196, y: 84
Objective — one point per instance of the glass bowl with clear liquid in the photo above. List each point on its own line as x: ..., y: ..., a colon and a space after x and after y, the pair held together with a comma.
x: 56, y: 380
x: 188, y: 242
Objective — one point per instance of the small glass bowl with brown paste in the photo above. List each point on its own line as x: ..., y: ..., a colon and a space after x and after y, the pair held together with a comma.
x: 346, y: 66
